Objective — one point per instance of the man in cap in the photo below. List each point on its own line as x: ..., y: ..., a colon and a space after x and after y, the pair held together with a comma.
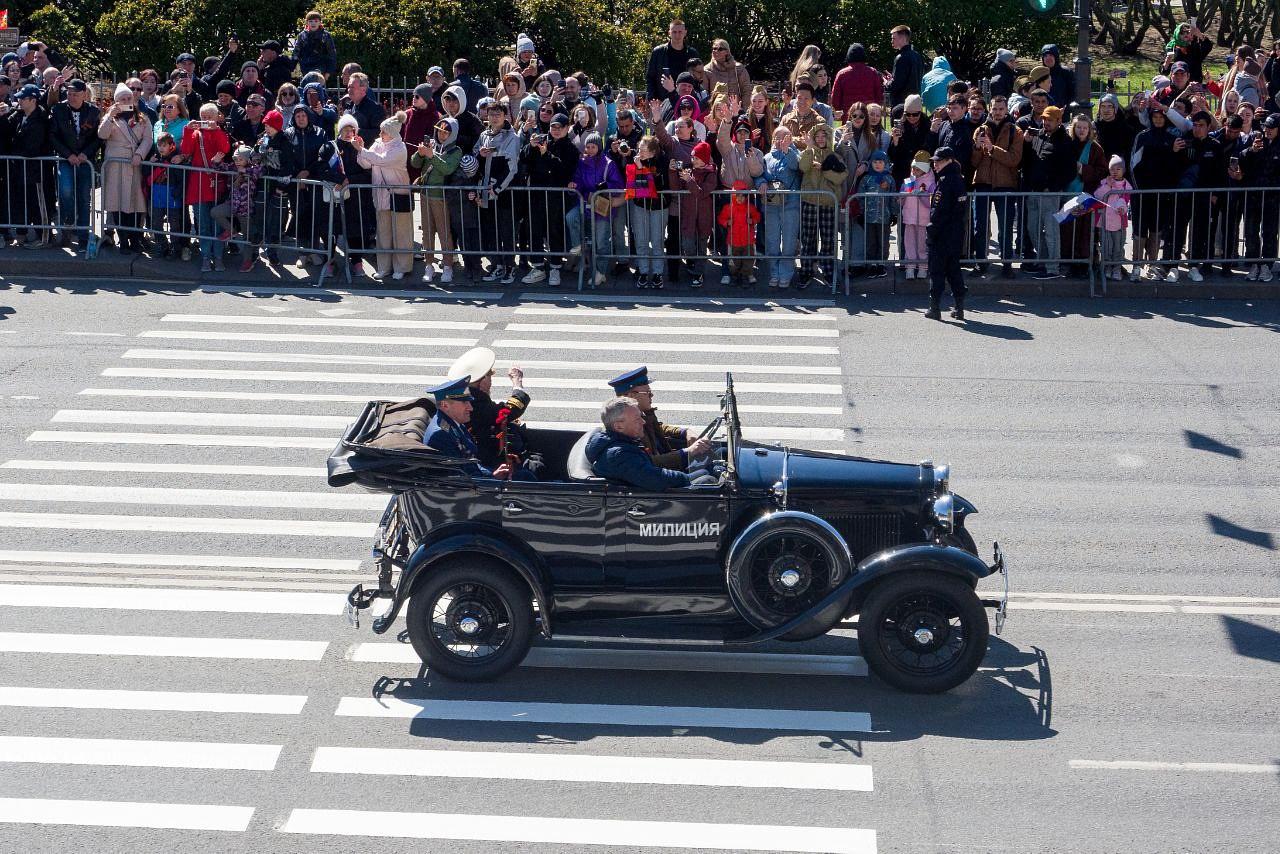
x: 669, y: 447
x: 496, y: 429
x: 248, y: 129
x: 1004, y: 72
x: 251, y: 84
x: 26, y: 130
x: 74, y: 136
x: 275, y: 68
x: 946, y: 234
x: 548, y: 164
x: 436, y: 78
x: 1048, y: 167
x: 447, y: 432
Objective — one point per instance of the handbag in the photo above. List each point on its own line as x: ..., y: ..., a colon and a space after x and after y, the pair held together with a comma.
x: 401, y: 203
x: 601, y: 205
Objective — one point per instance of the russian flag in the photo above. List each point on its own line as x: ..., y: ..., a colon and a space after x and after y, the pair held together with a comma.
x: 1078, y: 206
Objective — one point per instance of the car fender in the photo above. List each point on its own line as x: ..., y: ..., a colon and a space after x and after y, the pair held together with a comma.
x: 963, y: 507
x: 471, y: 538
x: 930, y: 557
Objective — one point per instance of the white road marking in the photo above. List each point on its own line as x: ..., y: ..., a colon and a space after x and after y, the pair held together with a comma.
x: 125, y: 814
x: 417, y: 381
x: 763, y: 332
x: 252, y: 357
x: 1135, y: 608
x: 622, y: 313
x: 339, y: 322
x: 311, y: 293
x: 97, y: 334
x: 302, y: 338
x: 224, y: 601
x: 186, y: 525
x: 139, y: 753
x: 159, y: 574
x: 1145, y: 597
x: 196, y: 440
x: 167, y: 560
x: 152, y: 701
x: 165, y: 468
x: 588, y: 768
x: 161, y: 647
x: 64, y: 577
x: 824, y: 434
x: 697, y: 717
x: 667, y: 406
x: 79, y: 493
x: 1130, y: 461
x: 757, y: 303
x: 706, y: 347
x: 582, y: 831
x: 1199, y: 767
x: 339, y: 312
x: 649, y: 659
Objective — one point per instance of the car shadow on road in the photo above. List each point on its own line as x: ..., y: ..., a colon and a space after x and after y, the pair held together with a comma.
x: 1225, y: 528
x: 1252, y: 640
x: 1009, y: 699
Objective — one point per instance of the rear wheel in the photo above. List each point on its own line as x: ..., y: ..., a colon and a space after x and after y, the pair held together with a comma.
x: 471, y: 622
x: 781, y: 571
x: 923, y: 632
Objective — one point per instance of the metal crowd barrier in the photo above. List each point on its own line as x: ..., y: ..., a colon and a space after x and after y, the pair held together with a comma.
x: 659, y: 243
x: 37, y: 192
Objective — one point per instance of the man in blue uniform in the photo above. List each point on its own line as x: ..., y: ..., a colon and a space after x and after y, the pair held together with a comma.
x: 669, y: 447
x: 447, y: 431
x: 946, y: 234
x: 618, y: 453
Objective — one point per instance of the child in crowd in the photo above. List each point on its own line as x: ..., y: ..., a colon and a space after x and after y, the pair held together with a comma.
x: 915, y: 216
x: 740, y: 218
x: 239, y: 201
x: 877, y: 212
x: 1114, y: 192
x: 697, y: 209
x: 166, y: 187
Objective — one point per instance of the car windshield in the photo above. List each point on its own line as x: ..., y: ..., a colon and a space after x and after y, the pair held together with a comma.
x: 733, y: 428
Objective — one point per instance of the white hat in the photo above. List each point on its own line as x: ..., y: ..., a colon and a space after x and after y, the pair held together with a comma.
x: 23, y: 50
x: 391, y: 124
x: 523, y: 43
x: 913, y: 104
x: 344, y: 121
x: 922, y: 165
x: 475, y: 363
x: 122, y: 93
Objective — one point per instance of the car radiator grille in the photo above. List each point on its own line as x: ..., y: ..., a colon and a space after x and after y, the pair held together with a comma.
x: 867, y: 533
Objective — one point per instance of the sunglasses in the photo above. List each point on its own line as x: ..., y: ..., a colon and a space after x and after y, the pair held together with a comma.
x: 858, y: 116
x: 914, y: 115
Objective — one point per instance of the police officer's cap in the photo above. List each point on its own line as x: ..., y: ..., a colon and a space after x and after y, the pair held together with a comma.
x: 623, y: 383
x: 476, y: 363
x: 945, y: 152
x: 455, y: 389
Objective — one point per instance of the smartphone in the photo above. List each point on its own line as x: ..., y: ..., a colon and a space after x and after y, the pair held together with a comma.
x: 1033, y: 131
x: 1235, y: 162
x: 897, y: 124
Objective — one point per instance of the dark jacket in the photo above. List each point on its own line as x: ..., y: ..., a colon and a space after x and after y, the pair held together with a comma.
x: 27, y: 136
x: 614, y: 456
x: 315, y: 52
x: 665, y: 58
x: 491, y: 422
x: 246, y: 131
x: 1194, y: 55
x: 469, y: 130
x: 1002, y: 79
x: 1208, y: 163
x: 309, y: 150
x: 914, y: 138
x: 1116, y: 136
x: 474, y: 88
x: 368, y: 115
x: 1048, y: 162
x: 451, y: 439
x: 1063, y: 88
x: 63, y: 136
x: 1262, y: 168
x: 947, y: 206
x: 958, y: 135
x: 908, y: 71
x: 277, y: 73
x: 553, y: 169
x: 1156, y: 166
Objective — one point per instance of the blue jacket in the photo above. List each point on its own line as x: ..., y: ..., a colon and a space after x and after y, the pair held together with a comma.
x: 451, y: 439
x: 783, y: 168
x: 315, y: 52
x: 933, y: 87
x: 614, y: 456
x: 878, y: 211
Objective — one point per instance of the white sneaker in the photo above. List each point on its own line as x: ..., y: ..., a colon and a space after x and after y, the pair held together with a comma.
x: 1266, y: 275
x: 446, y: 273
x: 1173, y: 276
x: 533, y: 277
x: 553, y: 278
x: 494, y: 275
x: 397, y: 276
x: 599, y: 280
x: 428, y: 275
x: 378, y: 276
x: 910, y: 274
x: 724, y: 280
x: 1117, y: 275
x: 1252, y: 275
x: 1195, y: 275
x: 773, y: 281
x: 1151, y: 274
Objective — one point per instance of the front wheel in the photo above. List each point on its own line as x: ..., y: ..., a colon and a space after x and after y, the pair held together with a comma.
x: 471, y: 622
x: 923, y: 632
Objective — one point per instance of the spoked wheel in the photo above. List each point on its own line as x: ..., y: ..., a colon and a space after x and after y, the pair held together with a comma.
x: 471, y: 623
x: 922, y: 632
x: 784, y: 571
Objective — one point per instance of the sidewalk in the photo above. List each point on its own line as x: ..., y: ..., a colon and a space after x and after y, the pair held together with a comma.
x: 110, y: 264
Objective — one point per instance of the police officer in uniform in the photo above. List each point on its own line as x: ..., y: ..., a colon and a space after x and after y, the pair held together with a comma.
x: 946, y: 234
x: 669, y: 447
x: 447, y: 432
x: 494, y: 426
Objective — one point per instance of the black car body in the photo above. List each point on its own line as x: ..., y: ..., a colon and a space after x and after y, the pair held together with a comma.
x: 786, y: 546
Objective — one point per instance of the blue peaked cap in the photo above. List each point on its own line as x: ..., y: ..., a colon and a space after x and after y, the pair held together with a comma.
x: 623, y: 383
x: 456, y: 389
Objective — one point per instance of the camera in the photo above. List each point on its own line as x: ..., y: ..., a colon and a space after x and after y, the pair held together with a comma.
x: 624, y: 149
x: 677, y: 165
x: 538, y: 139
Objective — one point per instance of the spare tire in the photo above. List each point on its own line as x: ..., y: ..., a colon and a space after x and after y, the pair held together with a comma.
x: 782, y: 565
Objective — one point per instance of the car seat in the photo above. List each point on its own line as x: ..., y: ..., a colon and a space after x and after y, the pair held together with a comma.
x: 578, y: 466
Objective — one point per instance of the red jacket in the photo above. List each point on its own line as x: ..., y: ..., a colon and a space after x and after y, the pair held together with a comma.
x: 740, y: 218
x: 199, y: 146
x: 854, y: 83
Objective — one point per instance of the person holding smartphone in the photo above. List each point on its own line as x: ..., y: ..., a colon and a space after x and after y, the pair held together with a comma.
x: 126, y: 135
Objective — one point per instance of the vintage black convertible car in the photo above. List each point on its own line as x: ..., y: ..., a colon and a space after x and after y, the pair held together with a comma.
x: 788, y: 545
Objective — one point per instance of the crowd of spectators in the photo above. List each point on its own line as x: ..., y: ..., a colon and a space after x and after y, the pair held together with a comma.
x: 702, y: 171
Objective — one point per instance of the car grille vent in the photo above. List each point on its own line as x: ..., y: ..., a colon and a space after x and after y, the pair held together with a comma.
x: 867, y: 533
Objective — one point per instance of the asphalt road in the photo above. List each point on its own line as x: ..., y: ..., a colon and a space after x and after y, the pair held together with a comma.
x: 175, y: 673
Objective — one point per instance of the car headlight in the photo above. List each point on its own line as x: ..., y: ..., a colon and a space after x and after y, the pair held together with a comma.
x: 941, y: 479
x: 944, y: 513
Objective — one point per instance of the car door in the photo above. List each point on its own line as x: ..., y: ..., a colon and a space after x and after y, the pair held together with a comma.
x: 672, y: 546
x: 563, y: 523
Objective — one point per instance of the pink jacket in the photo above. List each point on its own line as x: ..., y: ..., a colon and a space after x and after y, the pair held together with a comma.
x: 915, y: 208
x: 1116, y: 213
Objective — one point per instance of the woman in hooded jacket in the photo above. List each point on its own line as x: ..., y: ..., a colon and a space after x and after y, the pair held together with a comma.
x: 511, y: 92
x: 822, y: 180
x: 1156, y: 165
x: 437, y: 160
x: 310, y: 153
x: 388, y: 159
x: 454, y: 101
x: 324, y: 117
x: 356, y: 219
x: 596, y: 172
x: 686, y: 108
